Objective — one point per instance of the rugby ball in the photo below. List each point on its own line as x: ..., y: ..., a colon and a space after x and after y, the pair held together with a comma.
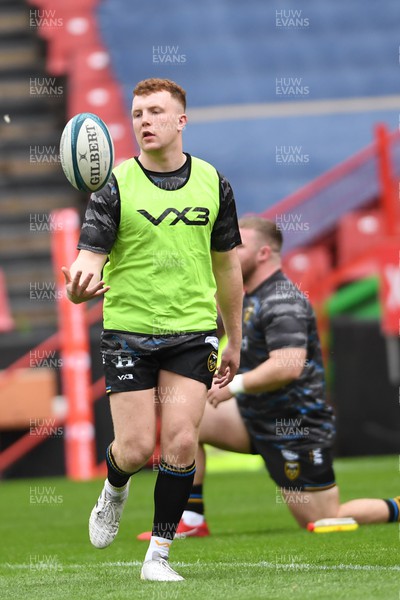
x: 87, y: 152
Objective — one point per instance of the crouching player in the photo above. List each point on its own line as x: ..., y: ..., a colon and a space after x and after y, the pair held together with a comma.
x: 276, y: 406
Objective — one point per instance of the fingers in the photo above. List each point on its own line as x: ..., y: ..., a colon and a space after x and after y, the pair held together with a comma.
x: 213, y: 400
x: 81, y: 291
x: 223, y: 376
x: 67, y: 275
x: 102, y: 290
x: 222, y: 370
x: 211, y: 396
x: 83, y: 286
x: 99, y: 287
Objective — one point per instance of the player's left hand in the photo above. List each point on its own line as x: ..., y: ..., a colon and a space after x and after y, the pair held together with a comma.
x: 217, y: 394
x: 230, y: 359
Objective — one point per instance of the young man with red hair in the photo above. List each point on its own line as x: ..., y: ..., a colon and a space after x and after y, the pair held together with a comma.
x: 165, y: 231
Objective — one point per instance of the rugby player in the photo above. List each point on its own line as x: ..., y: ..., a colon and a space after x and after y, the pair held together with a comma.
x: 276, y: 406
x: 165, y: 230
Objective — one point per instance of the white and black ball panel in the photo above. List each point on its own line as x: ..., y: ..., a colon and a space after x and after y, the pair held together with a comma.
x: 87, y: 152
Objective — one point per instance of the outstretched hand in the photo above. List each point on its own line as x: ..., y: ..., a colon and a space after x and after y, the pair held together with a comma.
x: 78, y: 291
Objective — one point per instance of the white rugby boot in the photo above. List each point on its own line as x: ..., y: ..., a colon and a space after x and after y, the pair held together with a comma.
x: 158, y: 569
x: 105, y: 517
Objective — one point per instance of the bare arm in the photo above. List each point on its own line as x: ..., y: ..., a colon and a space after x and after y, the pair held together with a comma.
x: 228, y: 275
x: 83, y: 279
x: 282, y: 367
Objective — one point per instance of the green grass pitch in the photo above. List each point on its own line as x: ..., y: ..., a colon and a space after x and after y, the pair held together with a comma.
x: 256, y: 550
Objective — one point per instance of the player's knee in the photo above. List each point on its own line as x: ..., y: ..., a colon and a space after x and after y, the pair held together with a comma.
x: 133, y: 455
x: 180, y: 446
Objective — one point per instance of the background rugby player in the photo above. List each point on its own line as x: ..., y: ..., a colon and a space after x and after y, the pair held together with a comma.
x: 276, y: 406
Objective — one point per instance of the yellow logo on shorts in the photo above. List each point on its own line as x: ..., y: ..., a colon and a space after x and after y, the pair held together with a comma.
x: 212, y: 361
x: 292, y: 470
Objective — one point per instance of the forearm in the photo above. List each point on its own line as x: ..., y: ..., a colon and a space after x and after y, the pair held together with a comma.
x: 230, y: 301
x: 86, y: 266
x: 267, y: 377
x: 281, y: 368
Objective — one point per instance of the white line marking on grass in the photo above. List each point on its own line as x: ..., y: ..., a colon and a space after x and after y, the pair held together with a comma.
x: 247, y: 565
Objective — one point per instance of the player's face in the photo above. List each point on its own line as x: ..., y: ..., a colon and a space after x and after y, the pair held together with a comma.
x: 158, y: 120
x: 248, y: 252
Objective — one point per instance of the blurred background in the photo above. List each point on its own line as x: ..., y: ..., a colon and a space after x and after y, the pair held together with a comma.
x: 297, y: 103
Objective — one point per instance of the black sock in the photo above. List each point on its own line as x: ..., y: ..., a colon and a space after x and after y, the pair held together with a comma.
x: 171, y: 493
x: 116, y: 476
x: 394, y: 509
x: 195, y: 502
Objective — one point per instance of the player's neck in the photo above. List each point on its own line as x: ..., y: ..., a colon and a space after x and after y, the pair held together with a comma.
x: 162, y: 162
x: 259, y: 276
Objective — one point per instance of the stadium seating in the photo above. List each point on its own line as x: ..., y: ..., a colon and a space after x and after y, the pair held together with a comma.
x: 237, y: 53
x: 75, y: 49
x: 308, y: 268
x: 357, y: 233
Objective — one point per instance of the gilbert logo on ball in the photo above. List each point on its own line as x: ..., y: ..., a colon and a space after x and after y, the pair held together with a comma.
x: 87, y: 152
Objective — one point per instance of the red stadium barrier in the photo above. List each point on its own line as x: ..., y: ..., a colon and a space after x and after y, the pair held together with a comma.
x: 299, y: 197
x: 390, y: 203
x: 388, y: 256
x: 75, y: 354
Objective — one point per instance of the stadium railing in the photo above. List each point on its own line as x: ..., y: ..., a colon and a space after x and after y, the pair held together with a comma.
x: 369, y: 175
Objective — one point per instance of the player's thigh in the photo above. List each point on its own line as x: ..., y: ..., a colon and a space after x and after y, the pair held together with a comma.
x: 130, y: 369
x: 134, y: 417
x: 310, y: 506
x: 181, y: 404
x: 223, y: 427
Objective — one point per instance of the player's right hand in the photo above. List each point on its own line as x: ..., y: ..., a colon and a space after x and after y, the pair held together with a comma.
x: 78, y: 291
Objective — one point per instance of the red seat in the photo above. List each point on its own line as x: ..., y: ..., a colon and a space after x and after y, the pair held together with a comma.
x: 79, y: 29
x: 89, y: 64
x: 307, y: 268
x: 357, y: 233
x: 103, y: 99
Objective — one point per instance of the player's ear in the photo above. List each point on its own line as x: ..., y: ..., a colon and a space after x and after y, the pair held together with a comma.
x: 182, y: 122
x: 264, y: 253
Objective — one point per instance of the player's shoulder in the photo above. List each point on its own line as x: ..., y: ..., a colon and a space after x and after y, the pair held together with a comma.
x: 200, y: 163
x: 124, y: 167
x: 226, y: 192
x: 279, y: 294
x: 108, y: 193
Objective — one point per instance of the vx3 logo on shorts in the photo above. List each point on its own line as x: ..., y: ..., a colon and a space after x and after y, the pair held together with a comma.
x: 202, y: 217
x: 126, y: 376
